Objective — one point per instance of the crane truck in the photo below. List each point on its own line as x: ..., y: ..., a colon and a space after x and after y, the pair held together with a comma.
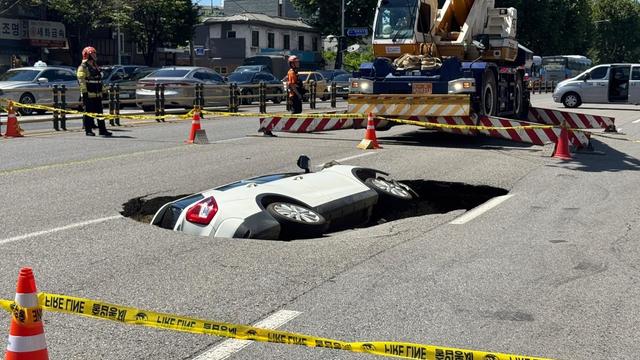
x: 464, y: 54
x: 458, y: 69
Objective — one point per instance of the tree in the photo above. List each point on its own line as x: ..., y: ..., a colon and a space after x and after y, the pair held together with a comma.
x: 81, y: 17
x: 617, y: 38
x: 156, y: 23
x: 352, y: 60
x: 325, y: 15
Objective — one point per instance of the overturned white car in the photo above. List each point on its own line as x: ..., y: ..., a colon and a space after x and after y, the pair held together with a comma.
x: 286, y: 205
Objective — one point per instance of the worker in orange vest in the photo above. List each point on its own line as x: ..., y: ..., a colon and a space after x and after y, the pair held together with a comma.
x: 294, y: 86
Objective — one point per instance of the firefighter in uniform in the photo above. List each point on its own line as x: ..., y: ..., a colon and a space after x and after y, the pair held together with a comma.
x: 294, y: 86
x: 90, y: 80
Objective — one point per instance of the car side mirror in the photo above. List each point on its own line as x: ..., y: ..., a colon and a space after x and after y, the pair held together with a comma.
x: 43, y: 80
x: 303, y: 163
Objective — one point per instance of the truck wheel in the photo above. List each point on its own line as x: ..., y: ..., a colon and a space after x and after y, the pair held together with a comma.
x: 521, y: 103
x: 571, y: 100
x: 489, y: 105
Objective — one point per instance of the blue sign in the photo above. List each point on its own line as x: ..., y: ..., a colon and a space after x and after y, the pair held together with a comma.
x: 200, y: 51
x: 357, y: 31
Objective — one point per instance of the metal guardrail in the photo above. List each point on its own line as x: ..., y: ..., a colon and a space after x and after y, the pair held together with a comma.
x: 115, y: 97
x: 542, y: 86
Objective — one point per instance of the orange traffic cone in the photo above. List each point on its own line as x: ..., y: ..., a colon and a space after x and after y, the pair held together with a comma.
x: 26, y: 336
x: 370, y: 140
x: 13, y: 129
x: 561, y: 150
x: 195, y: 126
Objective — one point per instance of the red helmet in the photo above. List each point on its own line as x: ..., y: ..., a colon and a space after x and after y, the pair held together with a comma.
x: 293, y: 59
x: 88, y: 51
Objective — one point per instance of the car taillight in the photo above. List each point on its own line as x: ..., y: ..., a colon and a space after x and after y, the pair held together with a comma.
x: 203, y: 211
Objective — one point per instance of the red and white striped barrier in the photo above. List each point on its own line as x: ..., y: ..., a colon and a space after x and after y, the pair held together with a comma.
x: 313, y: 124
x: 573, y: 120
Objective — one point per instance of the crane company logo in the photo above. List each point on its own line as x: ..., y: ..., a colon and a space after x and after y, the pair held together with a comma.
x: 368, y: 347
x: 141, y: 316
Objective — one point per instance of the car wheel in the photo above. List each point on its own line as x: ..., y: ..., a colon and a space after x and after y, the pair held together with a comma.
x: 278, y: 98
x: 148, y: 108
x: 27, y: 99
x: 489, y: 103
x: 297, y: 221
x: 571, y: 100
x: 390, y: 189
x: 247, y: 101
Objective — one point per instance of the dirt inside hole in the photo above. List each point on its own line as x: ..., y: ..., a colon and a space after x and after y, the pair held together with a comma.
x: 434, y: 197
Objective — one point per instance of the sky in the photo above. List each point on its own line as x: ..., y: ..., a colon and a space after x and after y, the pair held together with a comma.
x: 208, y: 2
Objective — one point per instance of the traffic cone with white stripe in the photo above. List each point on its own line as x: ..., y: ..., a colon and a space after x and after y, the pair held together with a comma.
x: 13, y: 129
x: 26, y: 336
x: 195, y: 126
x: 370, y: 140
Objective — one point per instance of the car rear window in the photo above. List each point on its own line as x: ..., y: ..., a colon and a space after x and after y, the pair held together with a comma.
x: 256, y: 180
x: 342, y: 77
x: 170, y: 73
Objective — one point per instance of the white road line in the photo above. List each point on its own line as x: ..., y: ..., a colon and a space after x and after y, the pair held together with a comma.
x: 231, y: 346
x: 353, y: 157
x: 54, y: 230
x: 635, y: 121
x: 475, y: 212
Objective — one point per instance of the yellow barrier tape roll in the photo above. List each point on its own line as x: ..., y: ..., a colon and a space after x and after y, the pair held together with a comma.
x: 133, y: 316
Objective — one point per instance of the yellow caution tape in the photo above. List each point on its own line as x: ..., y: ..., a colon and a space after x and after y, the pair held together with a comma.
x: 185, y: 116
x: 466, y: 127
x: 133, y: 316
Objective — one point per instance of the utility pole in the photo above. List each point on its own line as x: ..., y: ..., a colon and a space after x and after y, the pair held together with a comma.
x: 118, y: 52
x: 341, y: 39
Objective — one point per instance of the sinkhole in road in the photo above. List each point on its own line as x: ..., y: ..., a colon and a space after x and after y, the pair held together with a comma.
x: 434, y: 197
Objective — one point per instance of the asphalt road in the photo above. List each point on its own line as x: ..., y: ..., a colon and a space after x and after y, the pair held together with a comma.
x: 551, y: 272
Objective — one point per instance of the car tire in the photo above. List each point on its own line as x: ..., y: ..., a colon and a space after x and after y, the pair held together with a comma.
x: 489, y: 96
x: 247, y: 101
x: 297, y: 221
x: 148, y: 108
x: 571, y: 100
x: 27, y: 99
x: 390, y: 190
x: 278, y: 98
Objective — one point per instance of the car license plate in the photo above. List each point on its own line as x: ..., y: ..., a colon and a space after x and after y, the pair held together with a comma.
x: 422, y: 88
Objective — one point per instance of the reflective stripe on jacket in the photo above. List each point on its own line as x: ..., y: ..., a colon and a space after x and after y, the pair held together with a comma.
x: 90, y: 79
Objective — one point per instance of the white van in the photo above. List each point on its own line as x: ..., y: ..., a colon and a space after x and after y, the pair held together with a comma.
x: 609, y: 83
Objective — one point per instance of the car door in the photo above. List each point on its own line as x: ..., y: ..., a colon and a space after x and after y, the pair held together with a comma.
x: 45, y: 93
x: 634, y: 85
x: 594, y: 88
x: 70, y: 81
x: 619, y: 76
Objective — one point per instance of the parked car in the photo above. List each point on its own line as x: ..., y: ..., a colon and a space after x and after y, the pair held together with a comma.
x: 180, y: 84
x: 306, y: 77
x: 275, y: 64
x: 254, y: 78
x: 609, y: 83
x: 284, y: 205
x: 329, y: 75
x: 342, y: 85
x: 111, y: 73
x: 252, y: 68
x: 128, y: 85
x: 33, y: 85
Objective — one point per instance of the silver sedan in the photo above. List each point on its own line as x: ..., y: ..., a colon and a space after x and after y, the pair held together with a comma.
x: 33, y: 85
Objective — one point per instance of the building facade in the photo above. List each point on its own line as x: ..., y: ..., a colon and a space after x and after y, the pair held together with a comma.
x: 231, y: 39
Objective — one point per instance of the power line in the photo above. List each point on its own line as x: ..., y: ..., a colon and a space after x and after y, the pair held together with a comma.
x: 10, y: 7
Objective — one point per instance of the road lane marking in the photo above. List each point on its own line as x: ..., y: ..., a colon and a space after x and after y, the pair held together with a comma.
x: 477, y: 211
x: 231, y: 346
x: 58, y: 229
x: 636, y: 121
x: 351, y: 158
